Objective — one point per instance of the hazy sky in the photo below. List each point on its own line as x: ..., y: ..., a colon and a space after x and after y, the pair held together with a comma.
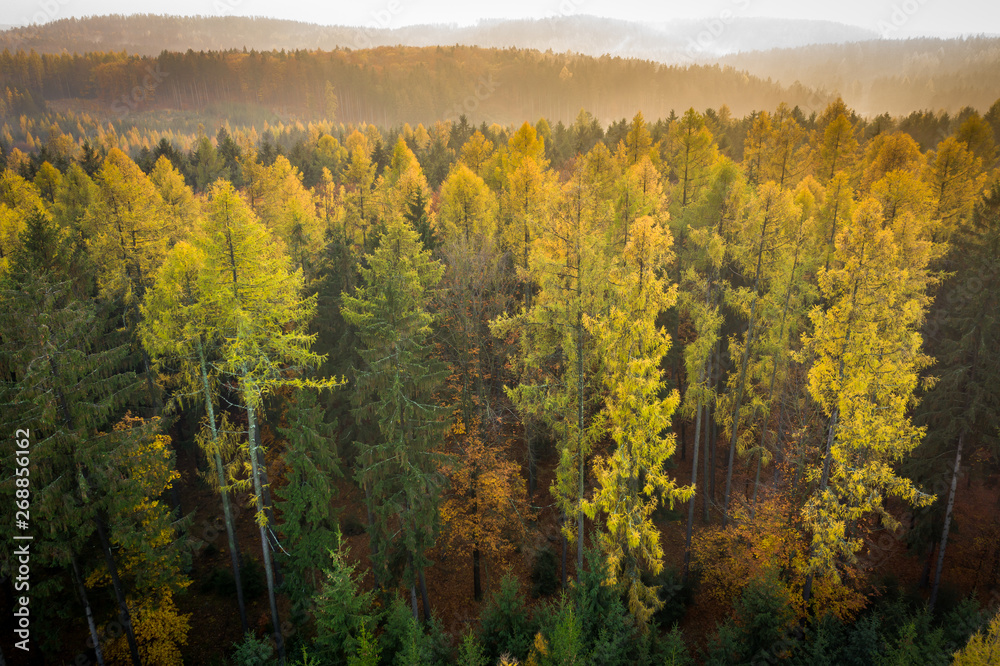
x: 892, y: 18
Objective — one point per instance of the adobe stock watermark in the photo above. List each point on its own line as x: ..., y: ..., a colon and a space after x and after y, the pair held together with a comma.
x: 225, y: 6
x: 570, y: 7
x: 131, y: 100
x: 381, y: 19
x: 900, y: 16
x: 713, y: 29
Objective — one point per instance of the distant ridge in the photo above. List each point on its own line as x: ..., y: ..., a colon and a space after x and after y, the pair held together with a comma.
x: 873, y: 75
x: 147, y: 34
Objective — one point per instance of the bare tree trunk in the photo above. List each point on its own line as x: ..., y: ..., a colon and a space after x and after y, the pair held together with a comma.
x: 947, y: 523
x: 234, y: 553
x: 86, y: 609
x: 264, y: 542
x: 123, y: 613
x: 694, y: 481
x: 424, y: 599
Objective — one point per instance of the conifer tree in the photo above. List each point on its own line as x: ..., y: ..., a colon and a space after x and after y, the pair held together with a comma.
x: 256, y: 307
x: 308, y: 523
x: 866, y: 352
x: 177, y: 329
x: 396, y: 389
x: 632, y: 481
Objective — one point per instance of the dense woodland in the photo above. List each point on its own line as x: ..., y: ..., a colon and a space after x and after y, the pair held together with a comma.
x: 872, y: 75
x: 688, y: 389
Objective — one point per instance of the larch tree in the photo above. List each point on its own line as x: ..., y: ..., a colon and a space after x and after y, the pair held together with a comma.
x: 177, y: 332
x: 560, y: 382
x: 694, y: 153
x: 131, y: 239
x: 631, y: 480
x: 866, y: 353
x: 762, y: 243
x: 256, y: 307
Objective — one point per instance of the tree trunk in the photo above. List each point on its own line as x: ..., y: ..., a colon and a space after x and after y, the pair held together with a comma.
x: 748, y: 344
x: 704, y: 474
x: 265, y: 544
x: 824, y: 480
x: 694, y: 481
x: 234, y: 553
x: 123, y: 613
x: 565, y: 548
x: 477, y: 588
x: 947, y: 523
x: 86, y: 609
x: 579, y: 428
x: 424, y: 599
x: 530, y: 450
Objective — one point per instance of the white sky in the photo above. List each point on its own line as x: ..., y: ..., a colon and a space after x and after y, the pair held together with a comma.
x: 894, y: 18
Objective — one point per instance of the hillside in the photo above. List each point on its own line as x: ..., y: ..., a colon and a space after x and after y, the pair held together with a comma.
x: 589, y: 35
x: 388, y: 85
x: 872, y: 75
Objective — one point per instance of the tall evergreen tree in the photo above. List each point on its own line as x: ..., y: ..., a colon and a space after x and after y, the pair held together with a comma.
x: 397, y: 468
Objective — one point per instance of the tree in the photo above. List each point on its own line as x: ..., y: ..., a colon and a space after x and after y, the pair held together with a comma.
x: 129, y: 237
x: 257, y: 309
x: 694, y: 152
x: 308, y: 523
x: 179, y: 204
x: 342, y: 610
x: 632, y: 481
x: 559, y: 379
x: 467, y: 205
x: 64, y: 383
x: 867, y: 355
x: 983, y: 648
x: 177, y: 328
x: 964, y: 404
x: 396, y: 389
x: 763, y: 241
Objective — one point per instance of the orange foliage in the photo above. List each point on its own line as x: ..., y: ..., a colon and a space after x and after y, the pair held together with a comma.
x: 769, y: 543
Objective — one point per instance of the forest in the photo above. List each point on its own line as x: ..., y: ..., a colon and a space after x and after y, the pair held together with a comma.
x: 715, y: 387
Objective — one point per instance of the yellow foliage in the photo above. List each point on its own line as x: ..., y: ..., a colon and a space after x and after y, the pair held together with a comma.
x: 160, y: 631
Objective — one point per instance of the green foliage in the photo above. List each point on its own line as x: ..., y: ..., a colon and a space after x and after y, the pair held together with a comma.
x: 674, y: 650
x: 367, y: 653
x: 253, y: 651
x: 395, y: 390
x: 544, y: 573
x: 308, y: 522
x: 506, y: 627
x: 759, y: 628
x: 471, y: 652
x: 342, y: 609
